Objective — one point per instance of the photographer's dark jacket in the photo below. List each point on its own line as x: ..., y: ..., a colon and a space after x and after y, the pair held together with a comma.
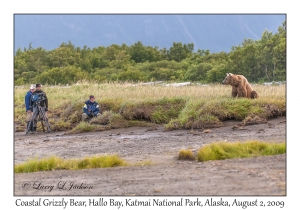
x: 42, y: 97
x: 93, y: 107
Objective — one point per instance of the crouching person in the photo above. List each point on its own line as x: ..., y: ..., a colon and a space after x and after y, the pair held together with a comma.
x: 91, y: 109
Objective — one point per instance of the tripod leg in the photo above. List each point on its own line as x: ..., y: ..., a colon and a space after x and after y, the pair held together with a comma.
x: 48, y: 125
x: 45, y: 119
x: 41, y: 117
x: 30, y: 124
x: 43, y: 126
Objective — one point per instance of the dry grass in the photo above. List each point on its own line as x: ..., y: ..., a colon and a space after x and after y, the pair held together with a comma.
x: 127, y: 92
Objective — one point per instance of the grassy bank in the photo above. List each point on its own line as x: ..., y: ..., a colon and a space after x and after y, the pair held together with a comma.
x: 125, y: 105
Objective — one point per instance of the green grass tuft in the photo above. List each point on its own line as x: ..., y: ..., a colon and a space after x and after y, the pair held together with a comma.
x: 227, y: 150
x: 56, y: 163
x: 83, y: 127
x: 186, y: 154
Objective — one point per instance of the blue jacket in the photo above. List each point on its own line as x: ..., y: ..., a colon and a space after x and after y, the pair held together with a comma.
x: 94, y: 107
x: 27, y: 100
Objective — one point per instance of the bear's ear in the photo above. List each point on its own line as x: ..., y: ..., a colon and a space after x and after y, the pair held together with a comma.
x: 230, y: 74
x: 226, y: 74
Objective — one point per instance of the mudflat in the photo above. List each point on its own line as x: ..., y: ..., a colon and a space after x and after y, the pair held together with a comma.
x: 166, y: 175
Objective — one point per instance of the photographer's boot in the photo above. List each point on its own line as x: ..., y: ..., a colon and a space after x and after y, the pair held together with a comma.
x: 31, y: 128
x: 34, y: 130
x: 27, y: 127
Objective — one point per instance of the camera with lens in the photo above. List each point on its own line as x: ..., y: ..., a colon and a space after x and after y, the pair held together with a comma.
x: 38, y: 98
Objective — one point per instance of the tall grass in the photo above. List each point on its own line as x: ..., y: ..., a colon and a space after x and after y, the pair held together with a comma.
x: 56, y: 163
x: 121, y: 92
x: 181, y: 107
x: 227, y: 150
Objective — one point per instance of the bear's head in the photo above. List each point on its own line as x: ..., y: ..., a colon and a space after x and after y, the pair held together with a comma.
x: 230, y: 79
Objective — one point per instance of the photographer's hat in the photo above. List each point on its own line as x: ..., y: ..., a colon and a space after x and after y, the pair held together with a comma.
x: 32, y: 87
x: 91, y: 96
x: 38, y: 85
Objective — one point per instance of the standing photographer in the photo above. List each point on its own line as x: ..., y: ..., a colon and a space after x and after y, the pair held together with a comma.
x: 38, y: 97
x: 27, y: 105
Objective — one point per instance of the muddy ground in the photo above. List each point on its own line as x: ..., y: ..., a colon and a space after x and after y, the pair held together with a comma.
x: 166, y: 175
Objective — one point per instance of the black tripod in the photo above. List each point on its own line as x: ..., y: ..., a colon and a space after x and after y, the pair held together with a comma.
x: 39, y: 112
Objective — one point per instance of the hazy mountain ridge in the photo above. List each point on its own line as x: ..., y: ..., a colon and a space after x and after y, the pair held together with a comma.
x: 213, y: 32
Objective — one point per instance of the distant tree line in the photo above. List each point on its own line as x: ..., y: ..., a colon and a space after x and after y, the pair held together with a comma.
x: 259, y: 61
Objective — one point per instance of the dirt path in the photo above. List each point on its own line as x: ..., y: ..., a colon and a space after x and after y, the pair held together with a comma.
x: 168, y: 176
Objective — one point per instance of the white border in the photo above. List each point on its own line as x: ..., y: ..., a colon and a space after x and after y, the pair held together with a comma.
x: 8, y: 8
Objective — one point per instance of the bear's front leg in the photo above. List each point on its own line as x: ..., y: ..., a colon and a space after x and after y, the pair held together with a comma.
x: 242, y: 92
x: 234, y: 91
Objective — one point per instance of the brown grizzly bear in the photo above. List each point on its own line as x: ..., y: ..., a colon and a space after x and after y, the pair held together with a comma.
x: 240, y: 86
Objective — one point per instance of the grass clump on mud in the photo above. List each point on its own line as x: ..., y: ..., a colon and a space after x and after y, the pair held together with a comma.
x: 83, y: 127
x: 228, y: 150
x: 126, y: 105
x: 56, y: 163
x: 186, y: 154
